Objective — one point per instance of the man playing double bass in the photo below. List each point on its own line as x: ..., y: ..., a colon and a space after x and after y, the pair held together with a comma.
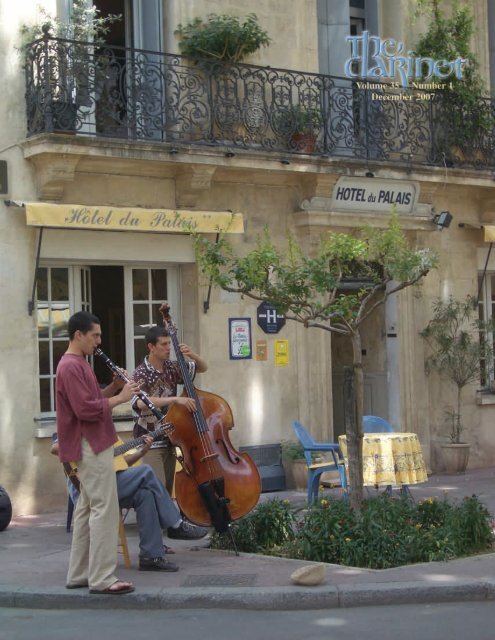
x: 158, y: 376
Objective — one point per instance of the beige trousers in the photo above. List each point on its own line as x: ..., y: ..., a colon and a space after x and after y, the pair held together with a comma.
x: 163, y: 463
x: 93, y: 555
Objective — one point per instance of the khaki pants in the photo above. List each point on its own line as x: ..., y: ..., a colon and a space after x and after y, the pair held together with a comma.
x: 163, y: 463
x: 93, y: 555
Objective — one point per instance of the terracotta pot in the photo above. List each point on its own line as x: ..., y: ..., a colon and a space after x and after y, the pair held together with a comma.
x: 455, y: 457
x: 303, y: 142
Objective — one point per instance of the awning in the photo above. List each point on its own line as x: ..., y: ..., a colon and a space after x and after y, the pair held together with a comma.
x: 105, y: 218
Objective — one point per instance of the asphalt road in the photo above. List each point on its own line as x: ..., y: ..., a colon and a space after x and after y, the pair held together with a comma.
x: 475, y: 620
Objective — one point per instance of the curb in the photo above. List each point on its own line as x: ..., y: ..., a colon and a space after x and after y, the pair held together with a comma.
x: 263, y: 598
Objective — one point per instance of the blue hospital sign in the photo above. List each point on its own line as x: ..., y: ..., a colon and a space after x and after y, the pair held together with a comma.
x: 269, y: 319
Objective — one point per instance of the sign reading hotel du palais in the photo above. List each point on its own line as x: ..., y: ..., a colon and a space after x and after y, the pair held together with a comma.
x: 72, y: 216
x: 371, y: 194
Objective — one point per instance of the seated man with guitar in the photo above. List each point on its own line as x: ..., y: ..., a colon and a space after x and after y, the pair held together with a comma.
x: 139, y: 487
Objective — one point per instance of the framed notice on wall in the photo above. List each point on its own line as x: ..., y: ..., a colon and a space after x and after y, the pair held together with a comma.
x: 240, y: 339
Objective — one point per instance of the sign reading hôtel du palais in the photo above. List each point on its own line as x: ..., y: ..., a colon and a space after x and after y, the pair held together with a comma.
x: 372, y: 194
x: 73, y: 216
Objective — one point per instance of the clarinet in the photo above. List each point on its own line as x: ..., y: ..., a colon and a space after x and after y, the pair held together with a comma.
x: 141, y: 394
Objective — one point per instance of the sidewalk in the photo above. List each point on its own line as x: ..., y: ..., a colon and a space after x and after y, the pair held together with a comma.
x: 34, y: 553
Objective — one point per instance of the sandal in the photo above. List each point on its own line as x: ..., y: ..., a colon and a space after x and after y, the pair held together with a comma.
x: 113, y: 590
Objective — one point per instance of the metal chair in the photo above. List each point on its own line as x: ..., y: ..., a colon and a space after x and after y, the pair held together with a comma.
x: 315, y: 469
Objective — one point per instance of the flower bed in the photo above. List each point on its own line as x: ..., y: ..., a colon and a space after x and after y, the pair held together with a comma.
x: 387, y: 532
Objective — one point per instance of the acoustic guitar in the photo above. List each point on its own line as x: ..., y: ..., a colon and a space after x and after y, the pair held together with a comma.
x: 119, y: 462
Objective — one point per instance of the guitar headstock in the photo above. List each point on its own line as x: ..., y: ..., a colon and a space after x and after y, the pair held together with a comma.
x: 164, y: 429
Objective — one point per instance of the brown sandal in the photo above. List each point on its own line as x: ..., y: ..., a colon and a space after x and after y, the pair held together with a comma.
x: 113, y: 590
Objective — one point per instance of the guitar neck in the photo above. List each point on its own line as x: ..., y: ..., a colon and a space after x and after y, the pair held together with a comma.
x: 136, y: 442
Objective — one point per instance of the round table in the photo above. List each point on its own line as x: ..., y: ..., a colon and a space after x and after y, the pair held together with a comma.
x: 390, y: 459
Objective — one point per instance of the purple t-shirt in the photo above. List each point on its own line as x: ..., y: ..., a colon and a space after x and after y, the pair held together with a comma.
x: 82, y: 410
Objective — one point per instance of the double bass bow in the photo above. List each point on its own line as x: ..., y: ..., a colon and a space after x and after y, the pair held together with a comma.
x: 216, y: 484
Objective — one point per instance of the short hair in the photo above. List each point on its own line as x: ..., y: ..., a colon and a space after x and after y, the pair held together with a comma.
x: 152, y: 335
x: 82, y: 321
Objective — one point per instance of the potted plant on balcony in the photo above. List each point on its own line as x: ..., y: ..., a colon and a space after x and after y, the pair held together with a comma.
x: 459, y: 352
x: 68, y: 56
x: 300, y: 125
x: 463, y: 114
x: 223, y: 38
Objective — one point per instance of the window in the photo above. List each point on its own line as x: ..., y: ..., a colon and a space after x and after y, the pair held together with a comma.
x: 148, y: 288
x: 53, y: 287
x: 125, y: 298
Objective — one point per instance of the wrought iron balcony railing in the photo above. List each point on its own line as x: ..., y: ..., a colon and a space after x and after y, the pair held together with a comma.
x: 150, y: 96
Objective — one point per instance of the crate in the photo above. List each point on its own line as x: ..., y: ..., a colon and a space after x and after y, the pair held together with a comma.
x: 268, y: 459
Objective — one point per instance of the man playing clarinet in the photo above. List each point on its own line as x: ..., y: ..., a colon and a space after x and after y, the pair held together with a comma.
x: 86, y: 435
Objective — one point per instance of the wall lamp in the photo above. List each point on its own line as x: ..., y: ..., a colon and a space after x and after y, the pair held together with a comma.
x: 229, y: 154
x: 442, y: 220
x: 284, y: 161
x: 173, y: 150
x: 369, y: 174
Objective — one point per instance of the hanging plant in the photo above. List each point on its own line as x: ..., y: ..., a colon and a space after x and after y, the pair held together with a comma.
x: 222, y: 37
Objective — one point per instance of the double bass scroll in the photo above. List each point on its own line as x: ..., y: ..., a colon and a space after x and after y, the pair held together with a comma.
x: 217, y: 483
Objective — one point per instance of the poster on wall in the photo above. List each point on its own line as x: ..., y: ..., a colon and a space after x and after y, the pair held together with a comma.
x: 240, y: 338
x: 281, y: 353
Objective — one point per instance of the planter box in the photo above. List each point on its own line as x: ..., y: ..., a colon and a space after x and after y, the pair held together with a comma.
x: 296, y: 474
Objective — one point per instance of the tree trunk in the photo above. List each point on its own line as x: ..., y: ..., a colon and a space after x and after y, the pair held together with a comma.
x: 353, y: 395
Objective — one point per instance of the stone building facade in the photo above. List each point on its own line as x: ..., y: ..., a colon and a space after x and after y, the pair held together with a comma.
x: 146, y: 133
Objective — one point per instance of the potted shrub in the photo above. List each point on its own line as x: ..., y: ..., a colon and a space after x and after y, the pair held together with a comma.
x: 70, y: 63
x: 296, y: 471
x: 459, y: 352
x: 222, y: 37
x: 300, y: 125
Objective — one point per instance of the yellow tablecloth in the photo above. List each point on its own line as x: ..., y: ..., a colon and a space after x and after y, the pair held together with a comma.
x: 390, y: 458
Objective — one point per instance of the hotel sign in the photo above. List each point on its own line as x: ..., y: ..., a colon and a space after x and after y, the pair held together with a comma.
x: 74, y: 216
x: 372, y: 194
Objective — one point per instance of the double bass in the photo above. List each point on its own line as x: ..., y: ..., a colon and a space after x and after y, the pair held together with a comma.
x: 216, y: 484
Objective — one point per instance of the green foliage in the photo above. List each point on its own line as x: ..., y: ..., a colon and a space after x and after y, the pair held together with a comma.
x: 447, y: 38
x: 86, y: 25
x: 459, y: 350
x: 222, y: 37
x: 292, y: 450
x: 267, y: 527
x: 300, y: 119
x: 386, y: 532
x: 314, y: 289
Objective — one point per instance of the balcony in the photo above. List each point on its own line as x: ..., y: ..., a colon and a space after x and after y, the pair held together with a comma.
x: 72, y: 87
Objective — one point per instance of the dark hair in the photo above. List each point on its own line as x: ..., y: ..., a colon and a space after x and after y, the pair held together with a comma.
x: 82, y: 321
x: 154, y: 333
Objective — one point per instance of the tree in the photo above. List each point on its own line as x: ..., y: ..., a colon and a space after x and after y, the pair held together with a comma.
x: 335, y: 290
x: 459, y: 349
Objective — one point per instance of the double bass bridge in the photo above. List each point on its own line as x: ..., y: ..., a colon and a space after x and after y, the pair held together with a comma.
x: 210, y: 456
